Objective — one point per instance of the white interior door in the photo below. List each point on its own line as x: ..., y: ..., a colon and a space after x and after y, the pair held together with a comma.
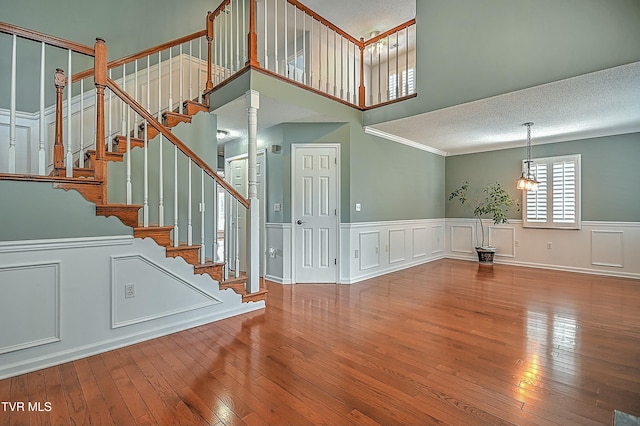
x: 315, y: 213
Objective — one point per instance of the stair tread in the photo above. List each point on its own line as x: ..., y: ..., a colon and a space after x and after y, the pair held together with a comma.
x: 153, y: 227
x: 175, y: 114
x: 120, y: 205
x: 209, y: 263
x: 182, y: 247
x: 234, y: 280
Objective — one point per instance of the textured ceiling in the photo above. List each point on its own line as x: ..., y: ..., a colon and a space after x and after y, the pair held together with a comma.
x: 597, y: 104
x: 359, y: 18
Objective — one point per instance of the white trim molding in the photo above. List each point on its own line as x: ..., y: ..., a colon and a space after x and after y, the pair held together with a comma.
x: 278, y: 252
x: 399, y: 139
x: 601, y: 248
x: 371, y: 249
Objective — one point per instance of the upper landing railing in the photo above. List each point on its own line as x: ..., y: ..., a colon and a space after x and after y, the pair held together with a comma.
x: 290, y: 41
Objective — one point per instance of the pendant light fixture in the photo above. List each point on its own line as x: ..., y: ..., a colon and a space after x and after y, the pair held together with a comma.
x: 528, y: 180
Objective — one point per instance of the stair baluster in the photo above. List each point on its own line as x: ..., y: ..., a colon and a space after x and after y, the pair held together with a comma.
x: 189, y: 204
x: 176, y: 233
x: 180, y: 81
x: 69, y: 159
x: 203, y: 247
x: 42, y: 166
x: 12, y: 108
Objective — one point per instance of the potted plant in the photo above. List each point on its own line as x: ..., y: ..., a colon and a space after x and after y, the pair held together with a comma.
x: 495, y: 203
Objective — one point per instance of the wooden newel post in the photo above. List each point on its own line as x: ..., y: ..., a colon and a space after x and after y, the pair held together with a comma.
x: 361, y: 90
x: 58, y: 148
x: 252, y: 37
x: 100, y: 79
x: 210, y: 18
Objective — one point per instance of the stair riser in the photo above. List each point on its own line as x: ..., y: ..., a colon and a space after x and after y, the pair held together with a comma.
x: 92, y: 193
x: 173, y: 119
x: 128, y: 215
x: 161, y: 236
x: 214, y: 271
x: 189, y: 254
x: 192, y: 108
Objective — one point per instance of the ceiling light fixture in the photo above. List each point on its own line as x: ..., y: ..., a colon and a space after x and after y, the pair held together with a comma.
x: 377, y: 47
x: 221, y: 134
x: 528, y: 180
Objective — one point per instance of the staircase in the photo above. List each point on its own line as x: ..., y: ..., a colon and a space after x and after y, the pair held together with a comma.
x: 94, y: 191
x: 122, y: 128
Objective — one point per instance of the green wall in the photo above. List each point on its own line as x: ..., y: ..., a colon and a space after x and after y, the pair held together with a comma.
x: 610, y: 175
x: 391, y: 181
x: 126, y: 26
x: 37, y: 211
x: 469, y: 50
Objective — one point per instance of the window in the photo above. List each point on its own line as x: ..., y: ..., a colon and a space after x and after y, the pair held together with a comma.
x: 405, y: 86
x: 556, y: 203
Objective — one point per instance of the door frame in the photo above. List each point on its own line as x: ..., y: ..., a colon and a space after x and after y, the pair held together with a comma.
x: 338, y: 236
x: 263, y: 202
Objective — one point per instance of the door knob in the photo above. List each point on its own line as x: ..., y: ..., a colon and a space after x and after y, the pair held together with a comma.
x: 300, y: 222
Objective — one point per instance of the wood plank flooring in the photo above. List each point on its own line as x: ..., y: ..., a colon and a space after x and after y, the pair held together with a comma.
x: 449, y: 342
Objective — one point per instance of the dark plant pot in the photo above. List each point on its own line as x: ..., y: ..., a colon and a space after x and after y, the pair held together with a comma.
x: 485, y: 255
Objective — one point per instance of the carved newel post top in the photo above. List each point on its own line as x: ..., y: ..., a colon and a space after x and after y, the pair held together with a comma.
x: 59, y: 78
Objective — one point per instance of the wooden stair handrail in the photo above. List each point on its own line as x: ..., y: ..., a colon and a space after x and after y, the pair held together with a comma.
x: 389, y: 32
x: 152, y: 120
x: 47, y: 39
x: 324, y: 21
x: 213, y: 15
x: 150, y: 51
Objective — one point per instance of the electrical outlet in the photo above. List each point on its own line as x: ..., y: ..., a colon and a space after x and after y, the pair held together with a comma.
x: 129, y: 291
x: 549, y: 245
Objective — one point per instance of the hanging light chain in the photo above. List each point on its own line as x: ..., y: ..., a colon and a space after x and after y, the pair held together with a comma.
x: 528, y: 149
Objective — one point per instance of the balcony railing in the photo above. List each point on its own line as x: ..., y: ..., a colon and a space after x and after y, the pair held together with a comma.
x: 289, y: 40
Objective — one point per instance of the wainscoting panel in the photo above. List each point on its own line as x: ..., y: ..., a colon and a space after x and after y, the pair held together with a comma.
x: 420, y: 241
x: 397, y: 245
x: 502, y: 239
x: 461, y: 238
x: 157, y: 292
x: 437, y: 239
x: 51, y: 291
x: 607, y: 248
x: 369, y: 249
x: 30, y: 304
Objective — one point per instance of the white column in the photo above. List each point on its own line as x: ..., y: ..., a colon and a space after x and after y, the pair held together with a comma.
x: 253, y: 215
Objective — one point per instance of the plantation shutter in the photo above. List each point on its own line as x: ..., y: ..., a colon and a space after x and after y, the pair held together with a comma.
x: 537, y: 201
x: 556, y: 204
x: 408, y: 85
x: 564, y: 192
x: 393, y: 86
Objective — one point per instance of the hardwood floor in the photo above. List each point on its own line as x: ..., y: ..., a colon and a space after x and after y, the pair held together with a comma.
x: 448, y: 342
